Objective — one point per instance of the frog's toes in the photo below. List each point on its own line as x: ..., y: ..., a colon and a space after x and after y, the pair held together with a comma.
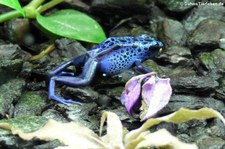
x: 68, y: 101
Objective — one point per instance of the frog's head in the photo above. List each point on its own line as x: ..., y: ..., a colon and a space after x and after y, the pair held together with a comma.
x: 150, y: 45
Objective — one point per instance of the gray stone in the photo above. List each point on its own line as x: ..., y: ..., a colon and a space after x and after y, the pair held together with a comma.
x: 180, y: 72
x: 177, y: 55
x: 83, y: 94
x: 213, y: 61
x: 194, y: 84
x: 222, y: 43
x: 171, y: 32
x: 30, y: 103
x: 24, y: 124
x: 54, y: 114
x: 177, y: 6
x: 10, y: 61
x: 118, y: 2
x: 178, y: 101
x: 103, y: 100
x: 6, y: 138
x: 216, y: 128
x: 201, y: 13
x: 220, y: 92
x: 9, y: 93
x: 114, y: 92
x: 211, y: 143
x: 207, y: 34
x: 153, y: 66
x: 69, y: 48
x: 86, y: 115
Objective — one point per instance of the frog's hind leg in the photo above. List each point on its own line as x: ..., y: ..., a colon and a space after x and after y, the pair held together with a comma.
x: 79, y: 61
x: 88, y: 73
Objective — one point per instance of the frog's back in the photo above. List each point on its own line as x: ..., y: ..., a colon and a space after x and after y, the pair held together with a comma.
x: 125, y: 51
x: 112, y: 42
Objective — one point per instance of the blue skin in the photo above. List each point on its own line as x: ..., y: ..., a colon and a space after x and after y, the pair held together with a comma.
x: 111, y: 57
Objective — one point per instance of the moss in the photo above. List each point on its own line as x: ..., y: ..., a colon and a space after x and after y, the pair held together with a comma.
x: 26, y: 123
x: 30, y: 103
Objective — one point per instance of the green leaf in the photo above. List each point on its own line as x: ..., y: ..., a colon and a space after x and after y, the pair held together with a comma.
x: 73, y: 24
x: 13, y: 4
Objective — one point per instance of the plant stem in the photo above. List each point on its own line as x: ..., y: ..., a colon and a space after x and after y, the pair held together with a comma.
x: 10, y: 15
x: 35, y: 3
x: 49, y: 5
x: 30, y: 9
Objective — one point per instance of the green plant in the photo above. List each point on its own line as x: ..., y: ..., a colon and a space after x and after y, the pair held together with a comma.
x: 67, y: 23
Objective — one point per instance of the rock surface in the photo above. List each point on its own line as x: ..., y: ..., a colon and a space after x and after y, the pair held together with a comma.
x: 207, y: 34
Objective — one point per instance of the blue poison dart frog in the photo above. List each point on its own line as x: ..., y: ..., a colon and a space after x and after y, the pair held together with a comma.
x: 110, y: 57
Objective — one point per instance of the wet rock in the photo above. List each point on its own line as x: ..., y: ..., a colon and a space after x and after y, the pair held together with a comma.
x: 201, y: 13
x: 54, y: 114
x: 69, y: 48
x: 213, y: 61
x: 7, y: 139
x: 10, y: 61
x: 85, y: 114
x: 216, y: 128
x: 178, y: 101
x: 153, y: 66
x: 171, y: 32
x: 25, y: 124
x: 177, y: 6
x: 222, y: 43
x: 128, y: 121
x: 115, y: 92
x: 138, y: 25
x: 10, y: 51
x: 118, y: 2
x: 82, y: 94
x: 103, y: 100
x: 195, y: 131
x: 50, y: 144
x: 199, y: 130
x: 123, y: 77
x: 10, y: 92
x: 30, y: 103
x: 119, y: 6
x: 10, y: 69
x: 194, y: 84
x: 180, y: 72
x: 207, y: 34
x: 210, y: 142
x: 177, y: 55
x: 121, y: 31
x: 220, y: 92
x: 34, y: 85
x: 77, y: 5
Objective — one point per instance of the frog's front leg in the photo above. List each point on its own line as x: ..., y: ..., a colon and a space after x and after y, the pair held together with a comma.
x: 141, y: 68
x: 86, y: 77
